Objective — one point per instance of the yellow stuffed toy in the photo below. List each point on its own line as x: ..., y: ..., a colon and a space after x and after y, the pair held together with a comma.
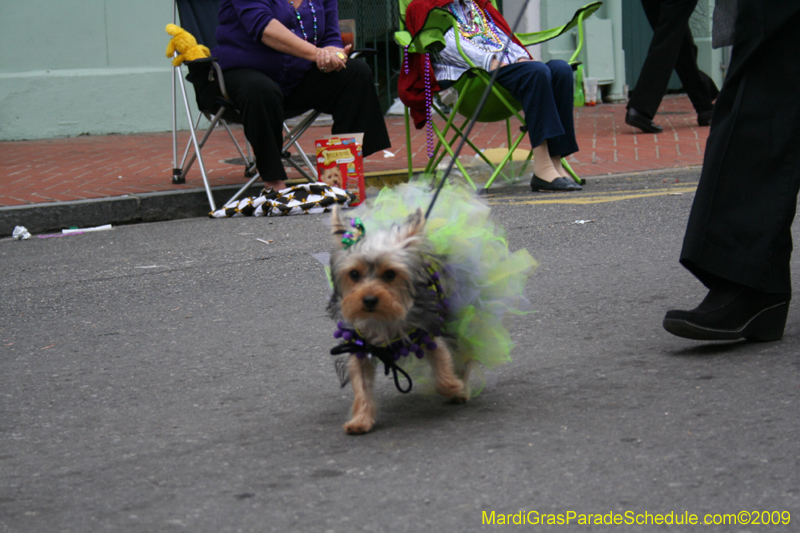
x: 185, y: 44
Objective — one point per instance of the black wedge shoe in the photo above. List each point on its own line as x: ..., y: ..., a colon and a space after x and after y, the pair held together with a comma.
x: 731, y: 312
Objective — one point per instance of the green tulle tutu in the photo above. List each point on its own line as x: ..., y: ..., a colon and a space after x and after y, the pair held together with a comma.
x: 489, y: 280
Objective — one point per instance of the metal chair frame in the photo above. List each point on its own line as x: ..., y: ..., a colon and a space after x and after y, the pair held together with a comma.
x: 501, y: 105
x: 179, y: 171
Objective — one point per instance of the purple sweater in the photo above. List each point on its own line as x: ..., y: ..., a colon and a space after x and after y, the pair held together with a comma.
x: 242, y: 23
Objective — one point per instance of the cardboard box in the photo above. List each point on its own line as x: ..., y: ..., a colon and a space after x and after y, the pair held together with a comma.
x: 340, y: 163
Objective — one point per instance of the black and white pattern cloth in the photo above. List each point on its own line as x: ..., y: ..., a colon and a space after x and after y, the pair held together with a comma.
x: 305, y: 199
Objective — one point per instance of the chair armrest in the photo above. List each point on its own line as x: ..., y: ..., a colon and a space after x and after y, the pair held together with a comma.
x: 403, y: 38
x: 431, y: 37
x: 427, y: 40
x: 362, y: 52
x: 206, y: 69
x: 580, y: 15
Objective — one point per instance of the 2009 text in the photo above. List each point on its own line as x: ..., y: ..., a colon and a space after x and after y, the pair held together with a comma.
x: 628, y: 518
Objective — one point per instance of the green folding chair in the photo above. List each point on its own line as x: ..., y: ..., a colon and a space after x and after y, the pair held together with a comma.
x: 500, y: 105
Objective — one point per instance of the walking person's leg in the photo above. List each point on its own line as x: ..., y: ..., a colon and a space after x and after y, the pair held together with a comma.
x: 669, y: 19
x: 738, y: 239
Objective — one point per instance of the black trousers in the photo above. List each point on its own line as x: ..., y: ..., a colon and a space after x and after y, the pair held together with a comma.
x: 740, y: 225
x: 672, y: 48
x: 349, y: 96
x: 545, y: 92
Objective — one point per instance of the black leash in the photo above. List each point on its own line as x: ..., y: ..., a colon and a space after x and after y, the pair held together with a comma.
x: 476, y: 114
x: 382, y: 353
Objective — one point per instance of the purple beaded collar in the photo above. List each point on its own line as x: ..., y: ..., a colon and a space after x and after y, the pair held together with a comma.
x: 392, y: 352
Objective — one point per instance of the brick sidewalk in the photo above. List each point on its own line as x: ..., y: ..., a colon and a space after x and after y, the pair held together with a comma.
x: 92, y: 167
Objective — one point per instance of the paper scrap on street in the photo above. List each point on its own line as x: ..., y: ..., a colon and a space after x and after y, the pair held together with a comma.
x: 84, y: 230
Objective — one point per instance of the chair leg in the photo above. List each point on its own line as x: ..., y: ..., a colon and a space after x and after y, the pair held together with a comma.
x: 453, y: 156
x: 197, y: 147
x: 526, y: 163
x: 185, y: 167
x: 570, y: 171
x: 241, y: 191
x: 251, y: 161
x: 177, y: 177
x: 497, y: 171
x: 249, y: 171
x: 291, y: 140
x: 510, y: 140
x: 182, y: 168
x: 500, y: 166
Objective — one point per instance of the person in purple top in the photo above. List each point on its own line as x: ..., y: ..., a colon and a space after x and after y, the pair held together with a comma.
x: 283, y: 57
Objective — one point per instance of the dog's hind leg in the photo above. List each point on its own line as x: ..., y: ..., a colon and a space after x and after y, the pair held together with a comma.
x: 465, y: 370
x: 447, y: 383
x: 362, y: 378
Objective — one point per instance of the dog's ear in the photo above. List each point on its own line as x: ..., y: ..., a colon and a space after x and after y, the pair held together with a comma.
x: 338, y: 227
x: 414, y: 225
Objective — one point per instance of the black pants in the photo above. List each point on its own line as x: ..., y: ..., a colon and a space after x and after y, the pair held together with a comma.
x: 740, y: 224
x: 348, y: 96
x: 672, y: 48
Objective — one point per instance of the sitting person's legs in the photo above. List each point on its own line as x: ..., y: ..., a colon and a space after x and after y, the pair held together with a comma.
x: 349, y: 97
x: 260, y: 101
x: 563, y: 96
x: 545, y: 92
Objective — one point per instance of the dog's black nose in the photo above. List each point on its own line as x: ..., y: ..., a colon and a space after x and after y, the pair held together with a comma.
x: 370, y: 302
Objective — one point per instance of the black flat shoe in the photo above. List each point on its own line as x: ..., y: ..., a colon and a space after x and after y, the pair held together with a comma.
x: 639, y: 120
x: 704, y: 118
x: 557, y: 185
x: 731, y: 312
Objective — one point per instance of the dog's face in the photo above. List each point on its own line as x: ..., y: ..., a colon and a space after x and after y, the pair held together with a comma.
x: 332, y: 176
x: 373, y: 288
x: 374, y: 277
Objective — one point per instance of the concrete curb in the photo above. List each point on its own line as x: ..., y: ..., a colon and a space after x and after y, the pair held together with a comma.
x: 131, y: 209
x: 148, y: 207
x: 171, y: 205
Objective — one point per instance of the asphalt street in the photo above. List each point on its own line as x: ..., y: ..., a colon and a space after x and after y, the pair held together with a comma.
x: 175, y: 376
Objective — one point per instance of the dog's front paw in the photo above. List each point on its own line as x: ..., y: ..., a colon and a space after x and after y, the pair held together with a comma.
x: 463, y: 395
x: 359, y: 425
x: 456, y: 390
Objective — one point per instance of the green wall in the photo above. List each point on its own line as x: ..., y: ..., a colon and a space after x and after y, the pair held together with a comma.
x: 72, y: 67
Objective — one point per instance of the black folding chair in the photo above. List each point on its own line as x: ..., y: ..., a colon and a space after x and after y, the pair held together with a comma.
x: 200, y: 18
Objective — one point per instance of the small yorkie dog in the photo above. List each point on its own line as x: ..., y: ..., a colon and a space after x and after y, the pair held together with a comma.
x: 390, y: 295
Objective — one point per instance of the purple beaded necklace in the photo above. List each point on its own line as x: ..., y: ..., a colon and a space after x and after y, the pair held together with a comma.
x: 428, y: 98
x: 428, y: 106
x: 300, y: 20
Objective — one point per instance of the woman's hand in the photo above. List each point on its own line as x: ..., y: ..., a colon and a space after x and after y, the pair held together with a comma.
x: 332, y: 58
x: 280, y: 38
x: 496, y: 64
